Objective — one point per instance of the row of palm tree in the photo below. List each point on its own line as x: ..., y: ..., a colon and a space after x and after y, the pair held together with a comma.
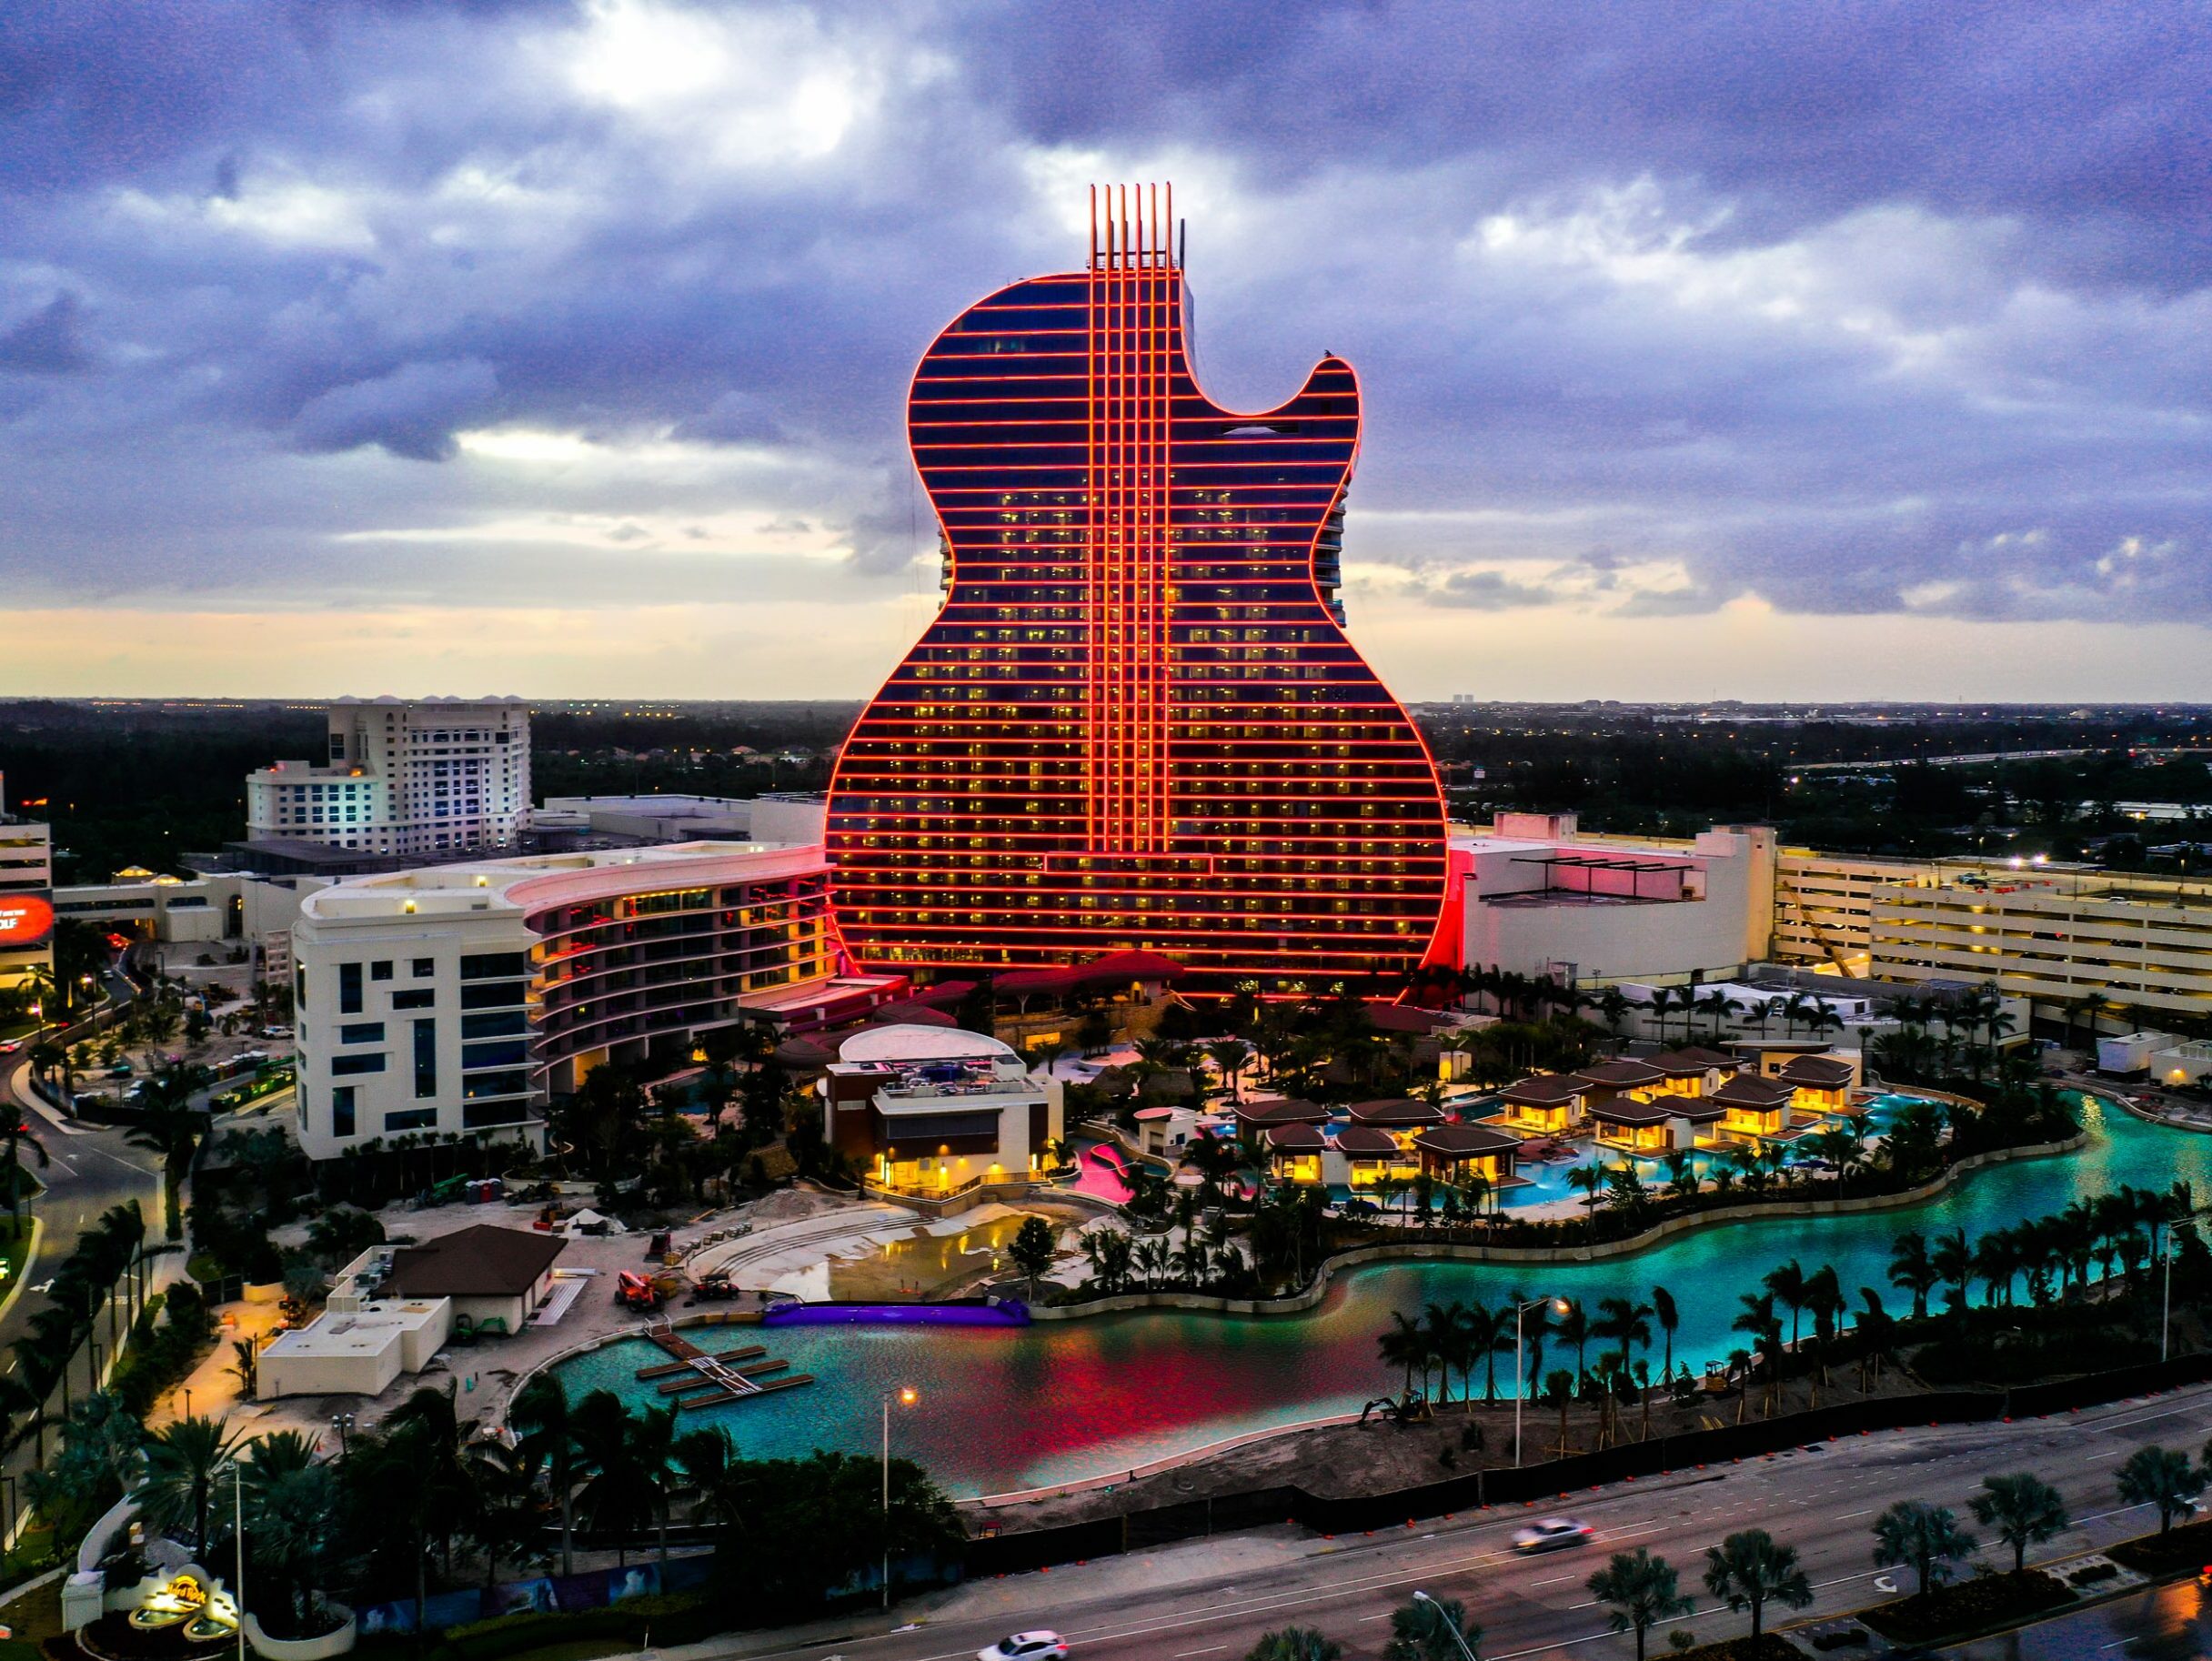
x: 2126, y: 1228
x: 108, y: 1270
x: 1207, y: 1260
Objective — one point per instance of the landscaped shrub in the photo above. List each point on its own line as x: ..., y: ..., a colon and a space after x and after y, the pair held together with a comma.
x: 680, y: 1617
x: 1987, y: 1600
x: 1767, y: 1647
x: 2187, y: 1547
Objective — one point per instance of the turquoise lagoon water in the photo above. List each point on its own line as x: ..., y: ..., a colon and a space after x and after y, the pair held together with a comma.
x: 1001, y: 1410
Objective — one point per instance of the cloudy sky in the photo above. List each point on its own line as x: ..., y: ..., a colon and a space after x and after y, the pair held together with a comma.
x: 1766, y: 350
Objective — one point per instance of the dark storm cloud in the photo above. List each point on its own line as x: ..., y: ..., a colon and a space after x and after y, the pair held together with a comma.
x: 1885, y: 310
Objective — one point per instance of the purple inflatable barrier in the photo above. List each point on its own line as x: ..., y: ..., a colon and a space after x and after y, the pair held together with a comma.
x: 994, y: 1312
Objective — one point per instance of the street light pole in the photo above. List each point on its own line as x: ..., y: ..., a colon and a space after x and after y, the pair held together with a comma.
x: 906, y: 1399
x: 2166, y: 1313
x: 237, y: 1531
x: 1452, y: 1625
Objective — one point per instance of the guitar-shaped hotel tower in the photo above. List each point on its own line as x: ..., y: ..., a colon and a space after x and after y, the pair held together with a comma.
x: 1136, y: 722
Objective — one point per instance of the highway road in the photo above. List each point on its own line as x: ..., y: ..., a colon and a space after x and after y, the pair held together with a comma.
x: 1215, y: 1598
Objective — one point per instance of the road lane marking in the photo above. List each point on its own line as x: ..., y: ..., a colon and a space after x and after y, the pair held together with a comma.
x: 1553, y: 1582
x: 1214, y: 1650
x: 1849, y: 1515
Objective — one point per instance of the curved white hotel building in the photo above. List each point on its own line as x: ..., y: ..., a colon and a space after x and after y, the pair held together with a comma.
x: 458, y: 999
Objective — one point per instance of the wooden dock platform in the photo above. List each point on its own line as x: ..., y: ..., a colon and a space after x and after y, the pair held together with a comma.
x: 699, y: 1381
x: 669, y: 1369
x: 734, y: 1375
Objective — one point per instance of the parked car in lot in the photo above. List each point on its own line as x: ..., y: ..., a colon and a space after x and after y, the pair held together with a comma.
x: 1550, y: 1534
x: 1026, y: 1647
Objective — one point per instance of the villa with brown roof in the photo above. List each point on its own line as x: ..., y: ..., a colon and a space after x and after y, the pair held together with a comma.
x: 1824, y: 1082
x: 1451, y: 1151
x: 1545, y: 1103
x: 1656, y: 1124
x: 1755, y: 1109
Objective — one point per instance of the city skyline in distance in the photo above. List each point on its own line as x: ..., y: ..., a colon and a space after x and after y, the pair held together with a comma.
x: 563, y: 352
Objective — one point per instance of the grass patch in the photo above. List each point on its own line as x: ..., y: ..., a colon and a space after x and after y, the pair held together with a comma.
x: 2187, y: 1547
x: 1971, y: 1605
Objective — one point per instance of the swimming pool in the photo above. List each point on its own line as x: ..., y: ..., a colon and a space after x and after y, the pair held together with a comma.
x: 1006, y: 1410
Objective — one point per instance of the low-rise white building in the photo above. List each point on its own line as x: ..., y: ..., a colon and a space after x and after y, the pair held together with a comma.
x: 931, y: 1111
x: 1538, y: 898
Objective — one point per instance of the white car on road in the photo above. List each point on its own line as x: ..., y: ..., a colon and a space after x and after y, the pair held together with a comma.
x: 1026, y: 1647
x: 1550, y: 1534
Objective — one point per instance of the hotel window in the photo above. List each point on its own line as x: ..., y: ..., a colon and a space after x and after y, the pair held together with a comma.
x: 350, y: 989
x: 425, y: 1058
x: 342, y: 1100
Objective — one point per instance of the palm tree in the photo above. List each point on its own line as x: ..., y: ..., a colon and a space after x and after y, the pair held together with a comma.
x: 294, y: 1514
x: 1572, y: 1326
x: 168, y: 1127
x: 1591, y: 1180
x: 1682, y: 1173
x: 15, y: 1132
x: 1640, y: 1591
x: 1450, y: 1330
x: 1230, y: 1057
x: 1031, y: 1249
x: 547, y: 1440
x: 2023, y: 1509
x: 1926, y: 1537
x: 181, y: 1462
x: 1750, y: 1569
x: 1824, y: 1297
x: 1425, y: 1628
x: 615, y: 1495
x: 1877, y: 1331
x: 1669, y: 1318
x: 1911, y: 1270
x: 652, y: 1454
x: 1406, y: 1344
x: 2160, y: 1476
x: 1788, y: 1284
x: 1294, y: 1644
x: 1953, y: 1260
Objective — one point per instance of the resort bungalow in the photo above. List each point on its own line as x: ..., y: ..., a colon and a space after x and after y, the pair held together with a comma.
x: 1370, y: 1154
x: 1657, y: 1124
x: 1294, y: 1153
x: 1607, y: 1082
x: 1753, y: 1108
x: 1165, y: 1132
x: 1400, y: 1116
x: 1546, y: 1103
x: 1691, y: 1070
x: 1824, y: 1082
x: 1451, y: 1152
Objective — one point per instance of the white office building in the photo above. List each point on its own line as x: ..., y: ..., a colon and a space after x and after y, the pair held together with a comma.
x: 437, y: 776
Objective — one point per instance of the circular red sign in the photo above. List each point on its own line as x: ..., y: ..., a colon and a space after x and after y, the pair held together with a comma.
x: 26, y: 920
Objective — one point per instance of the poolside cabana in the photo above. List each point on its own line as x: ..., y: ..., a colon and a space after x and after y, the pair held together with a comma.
x: 1294, y: 1153
x: 1370, y: 1154
x: 1823, y: 1083
x: 1255, y: 1120
x: 1637, y: 1126
x: 1545, y: 1103
x: 1754, y: 1108
x: 1691, y: 1070
x: 1450, y: 1153
x: 1400, y: 1116
x: 1608, y: 1082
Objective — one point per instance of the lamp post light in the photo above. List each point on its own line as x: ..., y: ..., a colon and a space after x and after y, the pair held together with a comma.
x: 1520, y: 1370
x: 1444, y: 1620
x: 907, y: 1398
